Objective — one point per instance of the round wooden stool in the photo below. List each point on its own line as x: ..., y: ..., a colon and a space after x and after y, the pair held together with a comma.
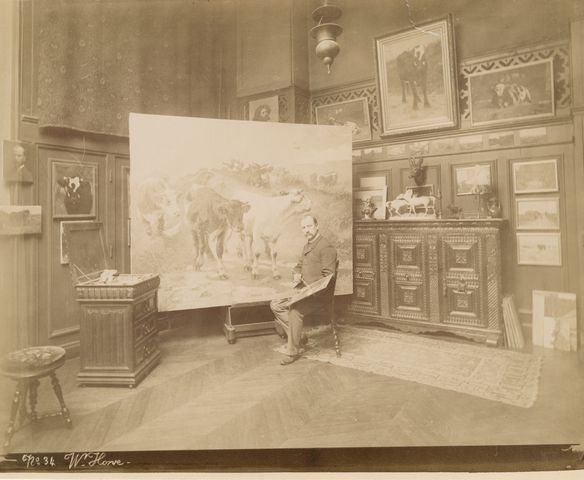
x: 26, y: 367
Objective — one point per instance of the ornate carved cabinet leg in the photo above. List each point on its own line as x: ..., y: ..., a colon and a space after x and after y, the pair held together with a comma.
x: 59, y: 394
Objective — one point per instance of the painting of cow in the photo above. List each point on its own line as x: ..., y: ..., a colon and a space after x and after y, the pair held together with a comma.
x: 219, y: 219
x: 417, y: 79
x: 74, y: 193
x: 412, y: 69
x: 511, y: 93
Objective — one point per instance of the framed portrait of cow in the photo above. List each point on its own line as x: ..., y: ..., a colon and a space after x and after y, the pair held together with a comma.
x: 73, y: 189
x: 513, y: 93
x: 416, y: 79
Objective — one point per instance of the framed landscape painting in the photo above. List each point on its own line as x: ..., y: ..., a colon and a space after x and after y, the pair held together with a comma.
x: 537, y: 176
x: 351, y: 113
x: 537, y: 213
x: 539, y: 249
x: 416, y: 79
x: 467, y: 177
x: 512, y: 94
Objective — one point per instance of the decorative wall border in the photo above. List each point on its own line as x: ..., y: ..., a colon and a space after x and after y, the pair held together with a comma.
x: 368, y: 89
x: 561, y: 62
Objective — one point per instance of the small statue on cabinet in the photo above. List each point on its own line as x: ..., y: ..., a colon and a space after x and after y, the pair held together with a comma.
x: 368, y: 208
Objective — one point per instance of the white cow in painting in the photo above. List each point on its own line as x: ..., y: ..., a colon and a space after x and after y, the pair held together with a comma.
x: 264, y: 223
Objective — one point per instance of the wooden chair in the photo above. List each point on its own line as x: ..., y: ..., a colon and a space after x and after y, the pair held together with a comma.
x: 26, y: 367
x: 327, y: 311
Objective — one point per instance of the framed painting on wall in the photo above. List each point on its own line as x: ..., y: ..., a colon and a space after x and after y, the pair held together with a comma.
x: 512, y: 94
x: 264, y: 109
x: 539, y: 249
x: 537, y: 213
x: 535, y: 176
x: 351, y: 113
x: 20, y: 219
x: 467, y: 178
x: 73, y: 188
x: 416, y: 79
x: 18, y: 162
x: 369, y: 203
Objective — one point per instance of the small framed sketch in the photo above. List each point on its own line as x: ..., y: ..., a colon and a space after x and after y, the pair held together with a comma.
x: 74, y: 189
x: 369, y: 203
x: 537, y: 213
x: 512, y: 94
x: 20, y: 219
x: 421, y: 190
x: 468, y: 177
x: 264, y: 109
x: 351, y: 113
x: 535, y: 176
x: 539, y: 248
x: 373, y: 181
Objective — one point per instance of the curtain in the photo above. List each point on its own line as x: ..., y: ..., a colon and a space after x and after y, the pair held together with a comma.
x: 99, y: 60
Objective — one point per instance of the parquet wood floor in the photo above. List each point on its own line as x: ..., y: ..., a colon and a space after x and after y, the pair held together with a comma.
x: 207, y: 394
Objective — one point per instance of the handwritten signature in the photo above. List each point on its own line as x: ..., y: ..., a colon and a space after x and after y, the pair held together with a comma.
x: 92, y: 459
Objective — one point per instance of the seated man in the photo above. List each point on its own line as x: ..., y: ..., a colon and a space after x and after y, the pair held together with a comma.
x: 318, y: 260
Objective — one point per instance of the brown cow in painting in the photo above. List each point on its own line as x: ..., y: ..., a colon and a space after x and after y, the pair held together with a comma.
x: 210, y: 218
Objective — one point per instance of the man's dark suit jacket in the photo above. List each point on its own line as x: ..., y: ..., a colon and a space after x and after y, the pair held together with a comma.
x: 318, y: 260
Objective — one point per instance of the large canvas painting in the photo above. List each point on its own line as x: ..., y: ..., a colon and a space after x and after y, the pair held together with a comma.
x: 417, y: 79
x: 216, y: 205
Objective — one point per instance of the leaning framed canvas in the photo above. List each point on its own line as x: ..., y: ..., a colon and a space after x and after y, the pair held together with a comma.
x: 74, y: 189
x: 537, y: 213
x: 20, y: 219
x: 539, y: 249
x: 512, y: 94
x: 416, y: 79
x: 535, y: 176
x: 350, y: 113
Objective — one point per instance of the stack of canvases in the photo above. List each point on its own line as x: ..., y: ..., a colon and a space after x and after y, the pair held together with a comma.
x: 513, y: 333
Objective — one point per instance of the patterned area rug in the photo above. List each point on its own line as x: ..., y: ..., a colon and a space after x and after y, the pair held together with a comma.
x: 491, y: 373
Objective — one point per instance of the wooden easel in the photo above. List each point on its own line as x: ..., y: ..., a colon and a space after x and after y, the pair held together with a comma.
x: 247, y: 319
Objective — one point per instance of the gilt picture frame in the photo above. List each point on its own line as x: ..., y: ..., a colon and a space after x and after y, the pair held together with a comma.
x: 74, y: 192
x: 512, y: 94
x: 535, y: 176
x: 351, y: 113
x: 416, y: 79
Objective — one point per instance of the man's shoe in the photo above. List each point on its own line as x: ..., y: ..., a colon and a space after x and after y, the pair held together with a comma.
x: 289, y: 359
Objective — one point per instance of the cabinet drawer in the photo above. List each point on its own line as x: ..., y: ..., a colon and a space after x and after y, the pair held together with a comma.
x: 145, y: 349
x: 144, y: 307
x: 145, y: 327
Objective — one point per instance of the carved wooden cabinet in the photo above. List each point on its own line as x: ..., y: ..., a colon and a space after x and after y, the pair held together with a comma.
x: 118, y: 330
x: 429, y: 276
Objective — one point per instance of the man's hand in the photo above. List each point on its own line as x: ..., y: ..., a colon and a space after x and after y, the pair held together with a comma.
x: 297, y: 280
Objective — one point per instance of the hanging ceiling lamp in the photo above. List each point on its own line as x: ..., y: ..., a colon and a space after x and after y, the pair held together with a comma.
x: 326, y: 33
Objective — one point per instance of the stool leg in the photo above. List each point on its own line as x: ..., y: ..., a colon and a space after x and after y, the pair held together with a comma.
x: 59, y: 394
x: 13, y: 411
x: 33, y: 389
x: 336, y: 336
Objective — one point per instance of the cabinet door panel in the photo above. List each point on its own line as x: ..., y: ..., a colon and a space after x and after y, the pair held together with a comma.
x: 408, y: 289
x: 462, y: 270
x: 365, y: 277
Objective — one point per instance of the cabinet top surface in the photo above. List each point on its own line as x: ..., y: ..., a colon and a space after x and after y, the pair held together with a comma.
x: 442, y: 222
